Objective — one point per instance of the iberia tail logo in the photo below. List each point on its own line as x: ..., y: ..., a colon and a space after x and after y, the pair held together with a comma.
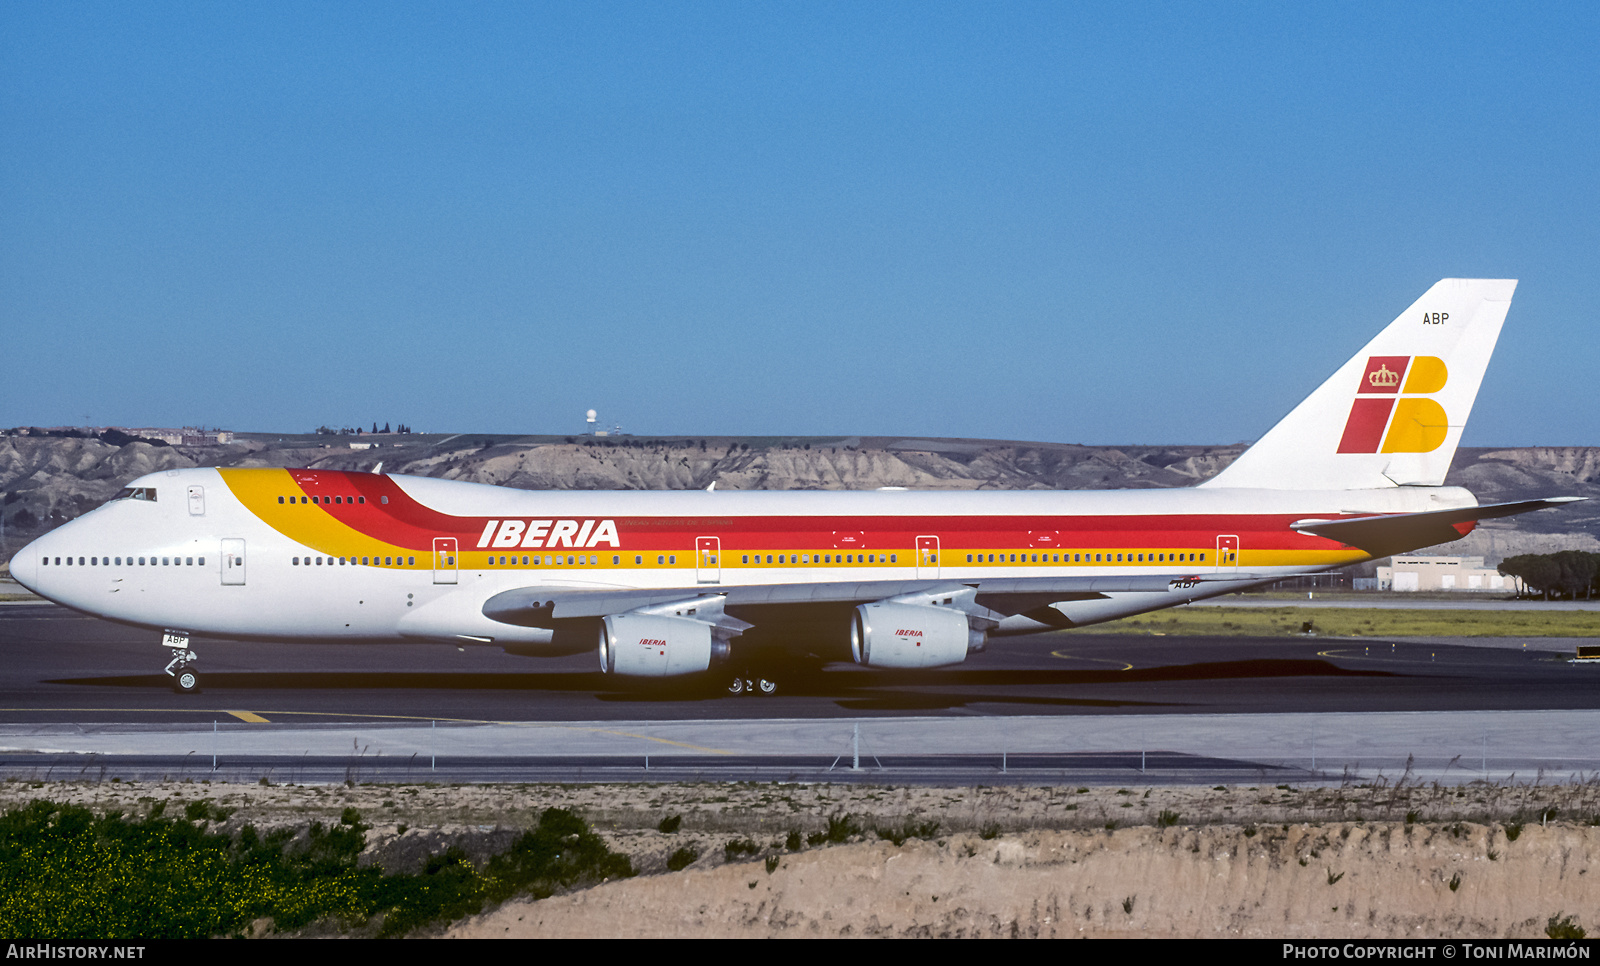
x: 1393, y: 407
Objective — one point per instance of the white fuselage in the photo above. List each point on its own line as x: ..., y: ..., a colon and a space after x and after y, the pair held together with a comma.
x: 202, y: 559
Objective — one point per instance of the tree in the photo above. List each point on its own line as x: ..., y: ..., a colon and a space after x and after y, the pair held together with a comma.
x: 1578, y: 570
x: 1567, y: 572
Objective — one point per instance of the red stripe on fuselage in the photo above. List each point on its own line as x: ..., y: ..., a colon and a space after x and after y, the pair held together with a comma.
x: 404, y: 522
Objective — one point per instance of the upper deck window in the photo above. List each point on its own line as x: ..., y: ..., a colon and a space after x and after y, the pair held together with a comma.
x: 136, y: 493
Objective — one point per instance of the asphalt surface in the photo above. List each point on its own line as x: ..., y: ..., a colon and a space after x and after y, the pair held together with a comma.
x: 60, y: 667
x: 81, y: 698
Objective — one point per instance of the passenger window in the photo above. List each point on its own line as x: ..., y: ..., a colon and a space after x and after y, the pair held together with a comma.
x: 638, y: 559
x: 280, y: 500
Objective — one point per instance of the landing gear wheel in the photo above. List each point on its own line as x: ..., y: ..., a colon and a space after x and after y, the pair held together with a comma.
x: 185, y: 679
x: 737, y: 687
x: 767, y: 687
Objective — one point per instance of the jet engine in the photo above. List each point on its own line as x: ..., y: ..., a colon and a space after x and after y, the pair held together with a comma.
x: 911, y: 635
x: 645, y: 645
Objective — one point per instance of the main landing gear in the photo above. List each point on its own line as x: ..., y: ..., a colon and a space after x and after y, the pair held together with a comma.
x: 185, y: 678
x: 752, y: 685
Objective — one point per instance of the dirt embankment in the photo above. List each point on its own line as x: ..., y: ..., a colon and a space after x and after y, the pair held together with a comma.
x: 1359, y: 861
x: 1298, y: 881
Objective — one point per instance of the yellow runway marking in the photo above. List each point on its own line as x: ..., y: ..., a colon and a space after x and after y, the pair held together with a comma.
x: 1366, y: 655
x: 665, y: 741
x: 1096, y: 660
x: 257, y: 719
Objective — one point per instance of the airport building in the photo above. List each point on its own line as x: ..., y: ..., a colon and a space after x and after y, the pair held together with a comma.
x: 187, y: 436
x: 1417, y: 572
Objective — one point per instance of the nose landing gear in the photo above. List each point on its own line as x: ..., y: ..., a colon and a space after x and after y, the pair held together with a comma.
x: 185, y: 678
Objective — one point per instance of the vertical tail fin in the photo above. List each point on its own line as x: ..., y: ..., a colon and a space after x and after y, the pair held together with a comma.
x: 1393, y: 414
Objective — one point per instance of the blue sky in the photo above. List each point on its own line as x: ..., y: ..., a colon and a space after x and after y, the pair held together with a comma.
x: 1100, y: 223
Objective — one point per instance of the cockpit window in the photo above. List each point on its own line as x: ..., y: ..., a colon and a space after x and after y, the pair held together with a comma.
x: 137, y: 493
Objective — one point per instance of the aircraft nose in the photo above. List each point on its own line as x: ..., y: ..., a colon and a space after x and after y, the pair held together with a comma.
x: 25, y: 566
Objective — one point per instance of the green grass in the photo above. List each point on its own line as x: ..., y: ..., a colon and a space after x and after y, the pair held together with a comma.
x: 66, y: 874
x: 1357, y: 622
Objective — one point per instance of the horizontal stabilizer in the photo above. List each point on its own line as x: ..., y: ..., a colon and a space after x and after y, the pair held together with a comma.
x: 1383, y: 536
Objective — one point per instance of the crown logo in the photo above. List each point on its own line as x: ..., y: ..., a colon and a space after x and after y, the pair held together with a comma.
x: 1384, y: 378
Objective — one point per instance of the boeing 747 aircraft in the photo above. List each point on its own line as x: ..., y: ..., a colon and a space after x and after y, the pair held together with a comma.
x: 659, y: 584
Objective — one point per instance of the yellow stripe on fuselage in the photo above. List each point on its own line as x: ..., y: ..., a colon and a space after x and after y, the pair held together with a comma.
x: 258, y: 490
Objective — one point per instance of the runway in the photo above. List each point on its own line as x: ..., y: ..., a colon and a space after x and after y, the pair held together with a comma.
x: 81, y: 695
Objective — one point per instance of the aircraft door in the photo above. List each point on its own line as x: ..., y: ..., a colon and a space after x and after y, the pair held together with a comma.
x: 707, y: 563
x: 233, y: 561
x: 445, y: 566
x: 197, y: 501
x: 927, y: 557
x: 1227, y: 553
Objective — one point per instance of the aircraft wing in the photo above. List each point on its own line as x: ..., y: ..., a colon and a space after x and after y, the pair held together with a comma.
x: 1388, y: 534
x: 539, y: 606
